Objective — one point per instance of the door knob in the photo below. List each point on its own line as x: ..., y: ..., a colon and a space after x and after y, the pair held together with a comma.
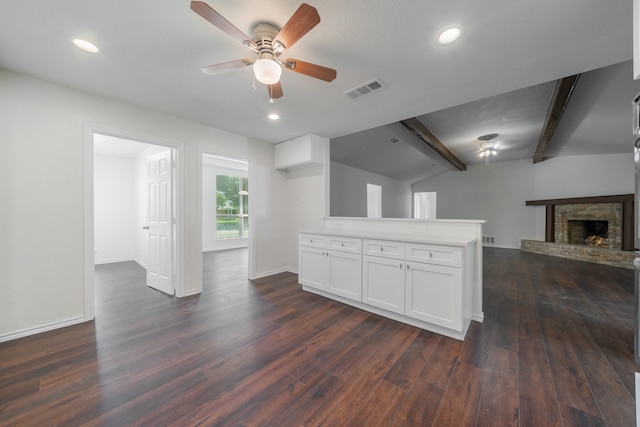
x: 145, y: 227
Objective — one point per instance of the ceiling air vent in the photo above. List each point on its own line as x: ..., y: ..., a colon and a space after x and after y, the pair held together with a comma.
x: 364, y: 89
x: 394, y: 140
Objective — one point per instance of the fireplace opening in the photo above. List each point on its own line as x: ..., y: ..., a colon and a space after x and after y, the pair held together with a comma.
x: 588, y: 232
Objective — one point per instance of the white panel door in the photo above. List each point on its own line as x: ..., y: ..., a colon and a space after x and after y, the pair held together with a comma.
x: 383, y: 283
x: 312, y: 267
x: 345, y: 274
x: 434, y: 294
x: 160, y: 221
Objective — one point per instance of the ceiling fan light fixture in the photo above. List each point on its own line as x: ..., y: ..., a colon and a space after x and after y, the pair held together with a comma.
x: 267, y: 71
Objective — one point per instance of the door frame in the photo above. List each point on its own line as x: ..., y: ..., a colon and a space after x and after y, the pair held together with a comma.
x: 213, y: 151
x: 89, y: 258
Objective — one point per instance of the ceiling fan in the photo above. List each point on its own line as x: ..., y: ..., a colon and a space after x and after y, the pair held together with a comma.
x: 268, y: 43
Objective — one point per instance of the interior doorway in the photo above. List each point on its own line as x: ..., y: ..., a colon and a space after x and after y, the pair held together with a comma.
x: 134, y: 215
x: 424, y: 205
x: 227, y: 222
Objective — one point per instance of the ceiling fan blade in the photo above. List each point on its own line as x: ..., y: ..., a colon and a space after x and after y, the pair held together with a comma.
x: 204, y: 10
x: 312, y: 70
x: 300, y: 23
x: 226, y: 66
x: 275, y: 91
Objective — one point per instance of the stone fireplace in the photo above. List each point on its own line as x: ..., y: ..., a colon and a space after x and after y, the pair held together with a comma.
x: 574, y: 223
x: 593, y: 229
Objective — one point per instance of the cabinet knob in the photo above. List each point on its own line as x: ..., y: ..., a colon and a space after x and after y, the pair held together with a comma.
x: 341, y: 245
x: 381, y: 248
x: 400, y: 265
x: 407, y: 266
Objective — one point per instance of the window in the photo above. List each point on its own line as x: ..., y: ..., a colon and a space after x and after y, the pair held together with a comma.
x: 232, y: 206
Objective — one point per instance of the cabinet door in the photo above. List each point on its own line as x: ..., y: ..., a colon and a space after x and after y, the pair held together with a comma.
x: 312, y: 267
x: 383, y: 283
x: 434, y: 294
x: 283, y: 154
x: 345, y: 274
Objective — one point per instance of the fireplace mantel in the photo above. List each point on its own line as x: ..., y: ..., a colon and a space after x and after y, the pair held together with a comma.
x: 627, y: 214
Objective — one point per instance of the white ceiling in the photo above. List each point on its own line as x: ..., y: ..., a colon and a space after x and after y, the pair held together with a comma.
x: 152, y: 52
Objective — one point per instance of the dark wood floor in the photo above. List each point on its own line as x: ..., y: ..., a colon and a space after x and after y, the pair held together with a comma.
x: 555, y: 350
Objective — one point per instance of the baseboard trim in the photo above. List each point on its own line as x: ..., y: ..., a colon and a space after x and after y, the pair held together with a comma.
x: 43, y: 328
x: 269, y: 273
x: 111, y: 261
x: 478, y: 317
x: 189, y: 293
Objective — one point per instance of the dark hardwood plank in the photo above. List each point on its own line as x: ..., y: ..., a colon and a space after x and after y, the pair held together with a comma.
x: 499, y: 404
x: 404, y: 373
x: 461, y: 399
x: 555, y: 349
x: 419, y: 406
x: 538, y: 402
x: 440, y: 365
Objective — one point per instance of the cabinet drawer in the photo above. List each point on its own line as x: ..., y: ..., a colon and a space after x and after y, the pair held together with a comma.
x: 383, y: 248
x: 344, y: 244
x: 434, y: 254
x: 312, y: 240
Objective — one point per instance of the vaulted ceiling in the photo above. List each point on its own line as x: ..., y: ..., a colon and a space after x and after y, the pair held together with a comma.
x: 597, y: 120
x: 151, y: 53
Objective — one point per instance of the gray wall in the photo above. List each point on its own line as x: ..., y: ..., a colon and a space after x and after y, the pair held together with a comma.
x: 349, y: 193
x: 497, y: 192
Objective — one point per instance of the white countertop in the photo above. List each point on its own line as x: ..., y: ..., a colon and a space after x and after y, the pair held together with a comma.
x: 434, y: 240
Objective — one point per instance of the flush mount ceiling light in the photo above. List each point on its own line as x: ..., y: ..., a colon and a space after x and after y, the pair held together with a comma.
x: 273, y: 116
x: 85, y: 45
x: 449, y: 35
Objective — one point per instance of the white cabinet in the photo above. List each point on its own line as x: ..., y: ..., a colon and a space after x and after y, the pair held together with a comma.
x: 426, y: 285
x: 383, y: 283
x: 338, y: 271
x: 345, y: 274
x: 304, y: 151
x: 312, y: 269
x: 434, y: 294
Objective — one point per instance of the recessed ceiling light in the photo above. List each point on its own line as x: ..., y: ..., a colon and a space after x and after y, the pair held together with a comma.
x: 85, y: 45
x: 449, y: 35
x: 273, y: 116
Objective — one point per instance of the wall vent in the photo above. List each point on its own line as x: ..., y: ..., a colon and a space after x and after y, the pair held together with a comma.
x: 488, y: 239
x: 394, y: 140
x: 365, y: 89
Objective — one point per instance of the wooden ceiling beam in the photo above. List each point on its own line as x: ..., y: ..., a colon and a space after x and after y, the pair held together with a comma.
x: 418, y: 129
x: 561, y: 94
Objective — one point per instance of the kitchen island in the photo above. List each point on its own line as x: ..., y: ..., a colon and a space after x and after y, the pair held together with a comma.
x: 427, y: 273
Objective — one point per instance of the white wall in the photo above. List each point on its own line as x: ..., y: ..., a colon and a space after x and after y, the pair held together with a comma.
x: 114, y: 209
x: 42, y: 194
x: 307, y: 204
x: 497, y: 192
x: 349, y: 193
